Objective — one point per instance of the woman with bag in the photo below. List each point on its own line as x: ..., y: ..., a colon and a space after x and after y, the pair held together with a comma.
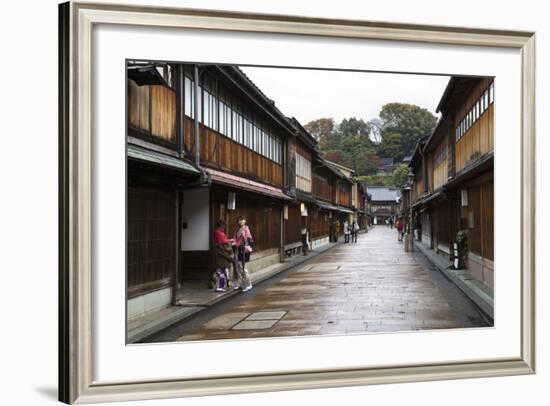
x: 223, y: 257
x: 242, y: 243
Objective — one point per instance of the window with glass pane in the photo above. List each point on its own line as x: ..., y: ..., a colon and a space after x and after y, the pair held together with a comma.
x: 221, y: 128
x: 188, y: 84
x: 206, y: 100
x: 233, y: 124
x: 214, y: 112
x: 200, y: 103
x: 249, y: 133
x: 240, y: 128
x: 227, y: 120
x: 492, y: 93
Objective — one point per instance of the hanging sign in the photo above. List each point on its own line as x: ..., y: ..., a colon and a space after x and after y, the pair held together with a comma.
x: 231, y: 201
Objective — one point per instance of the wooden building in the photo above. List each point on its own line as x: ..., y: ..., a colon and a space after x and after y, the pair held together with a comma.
x: 453, y: 175
x: 157, y: 170
x: 383, y: 203
x: 242, y: 142
x: 321, y: 190
x: 204, y: 143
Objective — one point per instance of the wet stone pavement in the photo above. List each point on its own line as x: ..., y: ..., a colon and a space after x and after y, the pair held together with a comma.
x: 370, y: 286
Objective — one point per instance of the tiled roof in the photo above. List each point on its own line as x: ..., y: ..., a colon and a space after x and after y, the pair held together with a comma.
x: 383, y: 194
x: 143, y: 154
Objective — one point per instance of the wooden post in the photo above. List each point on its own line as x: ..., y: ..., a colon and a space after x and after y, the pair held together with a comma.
x: 175, y: 272
x: 282, y: 242
x: 180, y: 116
x: 481, y: 219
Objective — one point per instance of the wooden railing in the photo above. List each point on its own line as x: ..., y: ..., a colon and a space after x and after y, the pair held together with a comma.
x: 417, y: 188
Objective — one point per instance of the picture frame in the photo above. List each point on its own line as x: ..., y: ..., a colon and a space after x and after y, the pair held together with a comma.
x: 76, y: 350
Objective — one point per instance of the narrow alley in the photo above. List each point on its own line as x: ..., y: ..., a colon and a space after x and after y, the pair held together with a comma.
x: 370, y: 286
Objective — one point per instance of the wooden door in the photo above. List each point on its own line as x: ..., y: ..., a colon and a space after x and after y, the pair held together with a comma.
x: 151, y: 240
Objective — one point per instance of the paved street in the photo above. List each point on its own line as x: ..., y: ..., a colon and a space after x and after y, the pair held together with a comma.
x: 370, y: 286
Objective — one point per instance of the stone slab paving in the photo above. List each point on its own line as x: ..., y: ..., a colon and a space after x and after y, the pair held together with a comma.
x: 370, y: 286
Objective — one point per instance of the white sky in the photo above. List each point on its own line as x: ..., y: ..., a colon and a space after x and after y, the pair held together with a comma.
x: 310, y: 94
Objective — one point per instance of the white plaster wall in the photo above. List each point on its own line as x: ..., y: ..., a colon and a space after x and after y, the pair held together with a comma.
x: 195, y: 213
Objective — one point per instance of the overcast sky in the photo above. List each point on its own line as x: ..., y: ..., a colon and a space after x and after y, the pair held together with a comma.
x: 311, y: 94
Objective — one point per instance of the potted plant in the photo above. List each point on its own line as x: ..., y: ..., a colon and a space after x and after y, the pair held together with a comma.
x: 460, y: 250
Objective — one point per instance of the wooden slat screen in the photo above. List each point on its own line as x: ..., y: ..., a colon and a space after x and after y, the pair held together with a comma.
x: 418, y: 187
x: 479, y: 138
x: 163, y: 112
x: 152, y: 110
x: 263, y: 218
x: 138, y: 106
x: 151, y: 239
x: 440, y: 165
x: 322, y: 187
x: 293, y: 224
x: 344, y: 194
x: 319, y: 223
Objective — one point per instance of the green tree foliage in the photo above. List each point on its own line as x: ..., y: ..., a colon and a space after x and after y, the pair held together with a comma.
x: 391, y: 146
x: 375, y: 180
x: 400, y: 127
x: 352, y: 126
x: 403, y: 126
x: 399, y: 176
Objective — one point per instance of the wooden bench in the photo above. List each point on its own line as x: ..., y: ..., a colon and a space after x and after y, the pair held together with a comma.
x: 293, y: 249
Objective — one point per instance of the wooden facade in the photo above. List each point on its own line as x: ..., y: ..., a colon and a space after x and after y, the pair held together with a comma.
x: 319, y: 223
x: 293, y: 225
x: 152, y: 110
x: 344, y: 194
x: 477, y: 136
x: 303, y: 159
x: 458, y: 158
x: 151, y: 239
x: 253, y: 162
x: 322, y: 187
x: 218, y: 151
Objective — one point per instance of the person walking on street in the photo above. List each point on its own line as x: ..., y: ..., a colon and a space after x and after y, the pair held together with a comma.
x: 305, y: 242
x: 223, y: 257
x: 346, y: 231
x: 399, y: 225
x: 242, y: 243
x: 354, y: 231
x: 391, y: 222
